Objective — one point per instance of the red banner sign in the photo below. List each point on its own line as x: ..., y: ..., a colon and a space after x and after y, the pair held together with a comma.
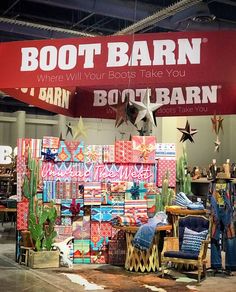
x: 190, y: 73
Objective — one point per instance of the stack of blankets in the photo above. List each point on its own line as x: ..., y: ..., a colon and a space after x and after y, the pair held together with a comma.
x: 182, y: 200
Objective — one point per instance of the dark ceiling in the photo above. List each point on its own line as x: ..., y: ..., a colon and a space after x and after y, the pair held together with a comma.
x: 43, y: 19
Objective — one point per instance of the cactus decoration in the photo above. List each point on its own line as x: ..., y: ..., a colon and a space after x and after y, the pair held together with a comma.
x: 41, y: 226
x: 165, y: 197
x: 41, y: 218
x: 182, y: 175
x: 31, y: 181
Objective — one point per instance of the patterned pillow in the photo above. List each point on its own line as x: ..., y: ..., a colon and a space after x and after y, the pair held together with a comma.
x: 192, y: 240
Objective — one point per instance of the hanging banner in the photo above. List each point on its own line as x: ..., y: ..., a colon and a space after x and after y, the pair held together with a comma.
x: 190, y: 73
x: 130, y: 61
x: 55, y: 99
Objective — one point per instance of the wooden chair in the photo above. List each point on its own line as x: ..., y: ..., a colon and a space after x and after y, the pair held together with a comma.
x: 173, y: 246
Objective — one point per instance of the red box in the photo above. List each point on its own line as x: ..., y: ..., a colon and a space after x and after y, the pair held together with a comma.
x: 123, y: 152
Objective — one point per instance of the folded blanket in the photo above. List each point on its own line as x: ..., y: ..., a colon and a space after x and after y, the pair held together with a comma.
x: 128, y: 220
x: 144, y: 236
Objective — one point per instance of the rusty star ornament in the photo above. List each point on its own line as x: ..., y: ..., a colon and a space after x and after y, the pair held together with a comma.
x: 187, y: 132
x: 217, y: 124
x: 146, y: 108
x: 121, y: 111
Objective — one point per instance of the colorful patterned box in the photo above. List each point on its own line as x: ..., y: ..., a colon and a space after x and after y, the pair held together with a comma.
x: 118, y: 209
x: 108, y: 153
x: 123, y: 152
x: 69, y: 190
x: 118, y: 187
x: 92, y: 193
x: 136, y: 207
x: 100, y: 234
x: 165, y: 150
x: 93, y: 154
x: 49, y: 191
x: 21, y: 164
x: 22, y: 215
x: 164, y: 165
x: 66, y: 221
x: 72, y: 207
x: 144, y: 149
x: 99, y: 257
x: 51, y: 142
x: 101, y: 213
x: 25, y: 145
x: 81, y: 251
x: 63, y: 232
x: 71, y: 151
x: 81, y: 228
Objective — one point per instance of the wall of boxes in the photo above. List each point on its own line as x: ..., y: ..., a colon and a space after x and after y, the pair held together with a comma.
x: 92, y: 184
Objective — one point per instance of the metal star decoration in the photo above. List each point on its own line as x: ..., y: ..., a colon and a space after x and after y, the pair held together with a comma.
x: 69, y: 129
x: 121, y: 111
x: 79, y: 129
x: 187, y: 132
x: 146, y: 108
x: 217, y: 144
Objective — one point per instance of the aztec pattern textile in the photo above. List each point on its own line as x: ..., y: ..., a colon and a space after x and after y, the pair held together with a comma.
x: 81, y: 228
x: 71, y: 151
x: 81, y: 251
x: 101, y: 213
x: 49, y: 191
x: 127, y: 220
x: 22, y: 215
x: 144, y: 149
x: 93, y: 154
x: 108, y: 153
x: 123, y: 152
x: 63, y: 232
x: 69, y: 190
x: 92, y: 193
x: 164, y: 165
x: 136, y: 207
x: 72, y: 207
x: 99, y: 257
x: 100, y: 234
x: 165, y: 150
x: 51, y: 142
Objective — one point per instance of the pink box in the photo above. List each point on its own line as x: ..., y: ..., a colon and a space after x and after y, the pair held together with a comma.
x: 144, y: 148
x: 164, y: 165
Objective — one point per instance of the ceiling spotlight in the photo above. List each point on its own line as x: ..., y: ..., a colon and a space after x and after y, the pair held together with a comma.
x: 204, y: 18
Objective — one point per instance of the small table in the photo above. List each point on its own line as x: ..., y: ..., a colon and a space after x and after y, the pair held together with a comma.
x: 143, y: 261
x: 6, y: 210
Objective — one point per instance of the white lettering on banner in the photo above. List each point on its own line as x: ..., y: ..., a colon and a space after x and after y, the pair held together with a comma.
x: 119, y: 54
x: 55, y: 95
x: 174, y: 96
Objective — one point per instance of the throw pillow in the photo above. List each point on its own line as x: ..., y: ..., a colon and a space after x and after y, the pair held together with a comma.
x: 192, y: 240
